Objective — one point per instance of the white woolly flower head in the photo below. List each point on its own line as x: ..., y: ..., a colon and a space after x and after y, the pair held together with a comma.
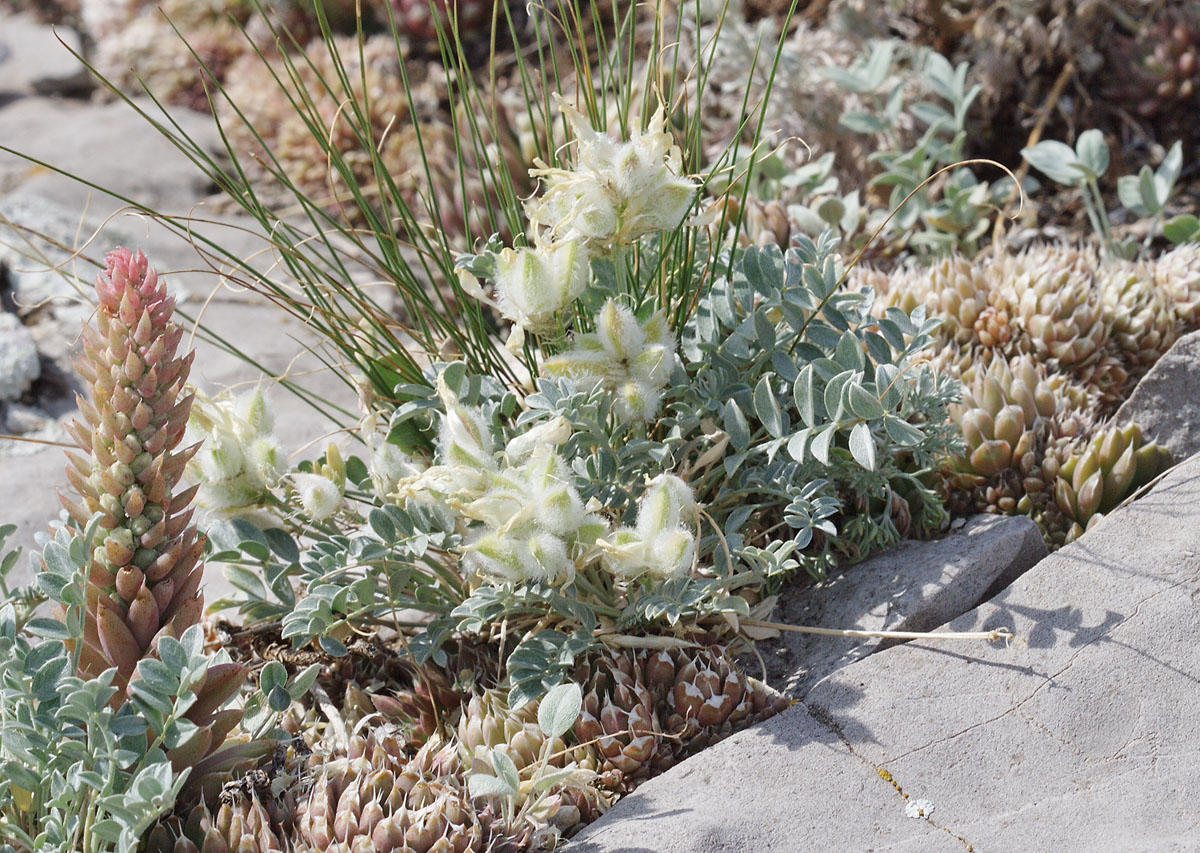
x: 633, y: 361
x: 319, y: 496
x: 240, y: 459
x: 465, y: 439
x: 534, y: 284
x: 617, y: 192
x: 661, y: 544
x: 525, y: 558
x: 618, y: 331
x: 228, y: 496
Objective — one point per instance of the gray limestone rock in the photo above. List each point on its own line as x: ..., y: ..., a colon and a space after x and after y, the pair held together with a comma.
x: 1074, y: 737
x: 33, y: 234
x: 914, y: 587
x: 1167, y: 401
x: 19, y: 364
x: 109, y: 145
x: 787, y: 785
x: 20, y: 420
x: 34, y: 61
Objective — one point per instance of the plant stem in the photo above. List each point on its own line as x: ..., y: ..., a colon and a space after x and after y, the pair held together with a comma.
x: 990, y: 636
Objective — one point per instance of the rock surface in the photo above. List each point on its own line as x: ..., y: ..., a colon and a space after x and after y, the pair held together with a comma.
x: 40, y: 272
x: 1167, y: 401
x: 108, y: 144
x: 19, y: 364
x: 1077, y: 737
x: 914, y: 587
x: 34, y: 61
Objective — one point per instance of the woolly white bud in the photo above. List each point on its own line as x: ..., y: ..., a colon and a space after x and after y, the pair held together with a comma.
x: 533, y: 285
x: 653, y: 365
x: 389, y: 465
x: 221, y: 457
x: 264, y: 462
x: 670, y: 553
x: 618, y: 331
x: 549, y: 561
x: 552, y: 433
x: 255, y: 412
x: 319, y: 495
x: 623, y: 554
x: 636, y: 401
x: 495, y: 556
x: 237, y: 493
x: 664, y: 505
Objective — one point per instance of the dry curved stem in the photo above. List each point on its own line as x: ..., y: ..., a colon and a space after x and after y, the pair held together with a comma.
x: 973, y: 161
x: 4, y: 435
x: 630, y: 641
x: 1005, y: 634
x: 1035, y: 136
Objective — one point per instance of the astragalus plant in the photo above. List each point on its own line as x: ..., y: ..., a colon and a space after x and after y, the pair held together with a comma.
x: 665, y: 452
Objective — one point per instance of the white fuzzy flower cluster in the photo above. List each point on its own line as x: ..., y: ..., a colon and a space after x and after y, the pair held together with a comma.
x: 534, y: 284
x: 617, y: 192
x: 661, y: 545
x: 632, y: 361
x: 534, y: 526
x: 240, y: 459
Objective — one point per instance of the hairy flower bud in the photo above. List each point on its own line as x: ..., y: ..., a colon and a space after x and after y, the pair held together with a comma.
x: 319, y: 495
x: 534, y: 284
x: 660, y: 545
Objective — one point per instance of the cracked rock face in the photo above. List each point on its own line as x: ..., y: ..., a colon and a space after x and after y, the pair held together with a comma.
x: 1075, y: 736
